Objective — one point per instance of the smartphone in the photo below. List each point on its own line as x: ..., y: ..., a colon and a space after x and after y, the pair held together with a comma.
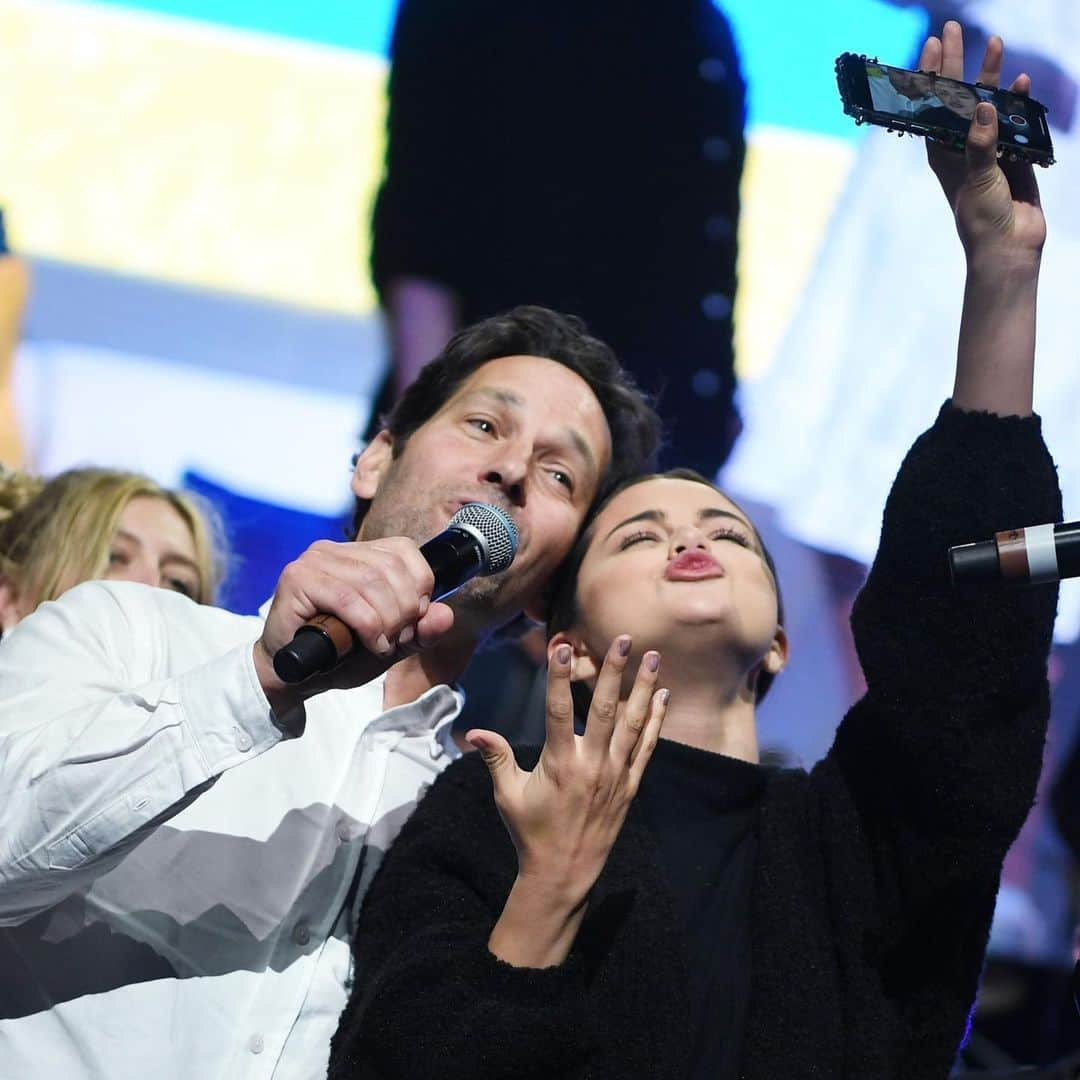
x: 927, y: 104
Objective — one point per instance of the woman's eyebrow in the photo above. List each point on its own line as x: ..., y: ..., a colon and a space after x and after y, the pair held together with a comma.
x: 646, y: 515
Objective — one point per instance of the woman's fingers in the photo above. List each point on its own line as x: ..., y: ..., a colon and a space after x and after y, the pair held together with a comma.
x: 952, y: 51
x: 635, y: 713
x: 498, y: 757
x: 605, y: 699
x: 646, y: 744
x: 990, y: 73
x: 930, y: 57
x: 560, y: 702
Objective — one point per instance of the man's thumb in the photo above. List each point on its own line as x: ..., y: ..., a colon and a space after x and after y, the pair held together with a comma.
x: 982, y: 139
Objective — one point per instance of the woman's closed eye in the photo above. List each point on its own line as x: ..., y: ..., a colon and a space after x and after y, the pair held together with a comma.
x: 731, y: 534
x: 637, y: 538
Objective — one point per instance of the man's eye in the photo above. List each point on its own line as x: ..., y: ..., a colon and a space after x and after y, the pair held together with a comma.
x: 635, y: 538
x: 486, y: 426
x: 563, y: 478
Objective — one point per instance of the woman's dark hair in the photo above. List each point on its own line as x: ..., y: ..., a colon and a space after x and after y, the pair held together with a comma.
x: 535, y: 331
x: 562, y: 611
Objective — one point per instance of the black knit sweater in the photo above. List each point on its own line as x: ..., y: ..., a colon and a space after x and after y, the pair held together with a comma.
x: 876, y: 871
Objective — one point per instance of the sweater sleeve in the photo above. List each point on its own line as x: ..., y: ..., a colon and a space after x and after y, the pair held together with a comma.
x: 942, y: 755
x: 429, y: 999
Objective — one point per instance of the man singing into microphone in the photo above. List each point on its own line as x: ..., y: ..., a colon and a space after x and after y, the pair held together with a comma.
x: 187, y: 838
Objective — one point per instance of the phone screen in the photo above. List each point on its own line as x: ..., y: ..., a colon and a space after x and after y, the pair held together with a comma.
x: 933, y: 105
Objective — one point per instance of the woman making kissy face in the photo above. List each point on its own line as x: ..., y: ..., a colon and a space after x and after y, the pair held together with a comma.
x: 710, y: 917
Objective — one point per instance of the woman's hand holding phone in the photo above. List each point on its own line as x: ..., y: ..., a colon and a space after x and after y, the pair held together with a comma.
x: 995, y: 201
x: 565, y: 815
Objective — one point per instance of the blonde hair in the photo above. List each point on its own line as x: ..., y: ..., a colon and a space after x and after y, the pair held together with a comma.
x: 55, y: 534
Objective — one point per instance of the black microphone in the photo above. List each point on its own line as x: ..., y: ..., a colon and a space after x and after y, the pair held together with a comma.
x: 1026, y: 556
x: 480, y: 540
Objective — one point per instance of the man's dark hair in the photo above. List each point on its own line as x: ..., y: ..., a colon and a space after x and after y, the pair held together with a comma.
x: 563, y: 607
x: 535, y: 331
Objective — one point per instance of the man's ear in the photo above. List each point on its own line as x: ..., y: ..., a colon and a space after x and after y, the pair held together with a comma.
x: 371, y: 463
x: 585, y: 666
x: 10, y: 612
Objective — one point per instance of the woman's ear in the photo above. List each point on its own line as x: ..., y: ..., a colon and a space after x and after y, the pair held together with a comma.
x: 777, y: 657
x: 10, y: 612
x: 585, y: 665
x: 370, y: 465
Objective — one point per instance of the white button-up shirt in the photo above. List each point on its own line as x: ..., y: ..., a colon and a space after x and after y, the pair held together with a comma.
x: 178, y: 880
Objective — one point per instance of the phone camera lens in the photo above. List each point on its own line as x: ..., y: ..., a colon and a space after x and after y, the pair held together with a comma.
x: 1017, y: 120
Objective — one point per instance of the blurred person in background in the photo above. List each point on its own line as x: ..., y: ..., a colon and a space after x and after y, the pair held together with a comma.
x: 585, y: 156
x: 89, y: 524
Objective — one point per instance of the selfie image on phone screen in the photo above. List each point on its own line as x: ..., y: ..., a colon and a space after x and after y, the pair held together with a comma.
x: 941, y: 108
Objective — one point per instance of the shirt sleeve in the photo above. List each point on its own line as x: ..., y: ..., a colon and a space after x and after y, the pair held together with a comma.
x: 942, y: 755
x: 430, y: 999
x: 100, y: 742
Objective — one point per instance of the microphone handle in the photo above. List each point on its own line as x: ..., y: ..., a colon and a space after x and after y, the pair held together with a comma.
x: 324, y: 640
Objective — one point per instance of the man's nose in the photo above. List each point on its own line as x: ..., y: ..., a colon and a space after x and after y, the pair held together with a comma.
x: 508, y: 472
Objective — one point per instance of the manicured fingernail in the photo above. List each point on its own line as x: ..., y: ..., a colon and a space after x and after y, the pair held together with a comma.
x: 984, y: 113
x: 562, y: 654
x: 623, y: 645
x: 425, y: 603
x: 406, y: 635
x: 382, y: 645
x: 652, y: 661
x: 665, y: 697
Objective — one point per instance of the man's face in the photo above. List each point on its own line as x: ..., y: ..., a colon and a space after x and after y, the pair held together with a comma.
x: 521, y: 432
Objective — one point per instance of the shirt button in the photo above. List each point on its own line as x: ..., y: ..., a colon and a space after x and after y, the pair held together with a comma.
x: 712, y: 69
x: 706, y: 383
x: 301, y: 933
x: 243, y: 741
x: 716, y: 148
x: 716, y: 305
x: 256, y: 1044
x: 719, y: 227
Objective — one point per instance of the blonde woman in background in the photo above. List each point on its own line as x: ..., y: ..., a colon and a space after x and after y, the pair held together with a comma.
x: 94, y: 523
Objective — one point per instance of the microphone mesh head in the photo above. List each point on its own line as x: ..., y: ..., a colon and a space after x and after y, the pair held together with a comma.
x: 498, y: 530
